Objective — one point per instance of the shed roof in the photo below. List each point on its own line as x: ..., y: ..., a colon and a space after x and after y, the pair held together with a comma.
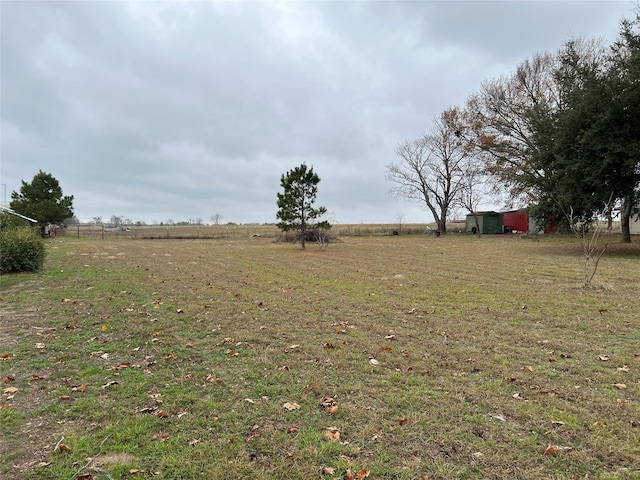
x: 13, y: 212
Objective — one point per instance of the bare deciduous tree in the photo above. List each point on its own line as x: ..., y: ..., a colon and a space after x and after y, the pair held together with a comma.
x: 431, y: 169
x: 473, y: 191
x: 115, y: 221
x: 592, y: 237
x: 216, y: 218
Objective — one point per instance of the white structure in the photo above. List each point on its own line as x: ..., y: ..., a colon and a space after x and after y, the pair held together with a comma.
x: 634, y: 224
x: 12, y: 212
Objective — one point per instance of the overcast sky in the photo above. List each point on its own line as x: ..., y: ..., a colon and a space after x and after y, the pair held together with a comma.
x: 181, y: 110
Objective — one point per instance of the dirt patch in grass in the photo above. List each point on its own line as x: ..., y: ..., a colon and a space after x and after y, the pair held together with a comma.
x: 114, y: 458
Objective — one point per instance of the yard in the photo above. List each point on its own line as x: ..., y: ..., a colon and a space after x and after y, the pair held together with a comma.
x: 398, y: 357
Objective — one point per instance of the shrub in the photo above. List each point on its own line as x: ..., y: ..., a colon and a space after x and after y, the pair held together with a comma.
x: 21, y: 250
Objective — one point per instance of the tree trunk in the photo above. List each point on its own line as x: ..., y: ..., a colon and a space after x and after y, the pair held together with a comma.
x: 477, y: 222
x: 625, y: 216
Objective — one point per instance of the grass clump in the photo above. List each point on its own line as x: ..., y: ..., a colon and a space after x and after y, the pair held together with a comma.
x: 21, y: 250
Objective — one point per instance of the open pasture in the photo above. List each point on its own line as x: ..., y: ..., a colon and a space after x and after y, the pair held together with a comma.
x: 394, y: 357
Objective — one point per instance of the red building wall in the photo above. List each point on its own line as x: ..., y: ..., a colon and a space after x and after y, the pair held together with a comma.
x: 516, y: 220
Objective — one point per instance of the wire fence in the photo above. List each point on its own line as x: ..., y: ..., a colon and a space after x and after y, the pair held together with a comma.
x: 229, y: 231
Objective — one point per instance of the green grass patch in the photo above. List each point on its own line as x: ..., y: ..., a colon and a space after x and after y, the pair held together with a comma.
x: 444, y: 357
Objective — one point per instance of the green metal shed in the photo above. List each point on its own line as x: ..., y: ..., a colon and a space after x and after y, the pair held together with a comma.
x: 490, y: 222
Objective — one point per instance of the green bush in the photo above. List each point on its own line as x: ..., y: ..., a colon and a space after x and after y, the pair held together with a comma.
x: 21, y: 250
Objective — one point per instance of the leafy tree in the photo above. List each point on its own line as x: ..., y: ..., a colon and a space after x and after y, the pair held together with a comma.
x: 591, y: 141
x: 9, y: 221
x: 295, y: 203
x: 624, y: 143
x: 42, y: 200
x: 432, y: 168
x: 563, y: 131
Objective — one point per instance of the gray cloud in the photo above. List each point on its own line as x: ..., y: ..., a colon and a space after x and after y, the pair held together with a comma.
x: 181, y: 110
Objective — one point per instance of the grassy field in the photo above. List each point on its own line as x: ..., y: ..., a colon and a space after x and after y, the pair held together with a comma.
x: 233, y: 231
x: 397, y: 357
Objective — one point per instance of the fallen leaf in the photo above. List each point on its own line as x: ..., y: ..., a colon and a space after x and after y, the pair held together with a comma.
x: 85, y: 476
x: 162, y: 413
x: 43, y: 464
x: 40, y: 345
x: 232, y: 353
x: 620, y: 386
x: 403, y: 421
x: 194, y: 441
x: 327, y: 471
x: 636, y: 357
x: 604, y: 358
x: 328, y: 402
x: 5, y: 356
x: 213, y: 379
x: 171, y: 357
x: 517, y: 396
x: 191, y: 344
x: 551, y: 450
x: 623, y: 368
x: 527, y: 368
x: 387, y: 348
x: 8, y: 379
x: 328, y: 345
x: 248, y: 400
x: 80, y: 388
x: 332, y: 433
x: 66, y: 397
x: 291, y: 406
x: 109, y: 384
x: 292, y: 430
x: 160, y: 436
x: 557, y: 422
x: 363, y: 473
x: 36, y: 377
x: 333, y: 409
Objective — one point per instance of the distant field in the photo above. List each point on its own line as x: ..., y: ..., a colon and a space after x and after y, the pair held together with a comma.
x: 382, y: 357
x: 234, y: 231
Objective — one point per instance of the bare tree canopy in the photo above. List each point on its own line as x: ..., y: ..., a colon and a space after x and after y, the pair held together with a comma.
x: 431, y: 170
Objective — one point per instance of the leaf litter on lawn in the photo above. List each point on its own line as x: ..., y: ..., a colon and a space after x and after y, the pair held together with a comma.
x: 459, y: 345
